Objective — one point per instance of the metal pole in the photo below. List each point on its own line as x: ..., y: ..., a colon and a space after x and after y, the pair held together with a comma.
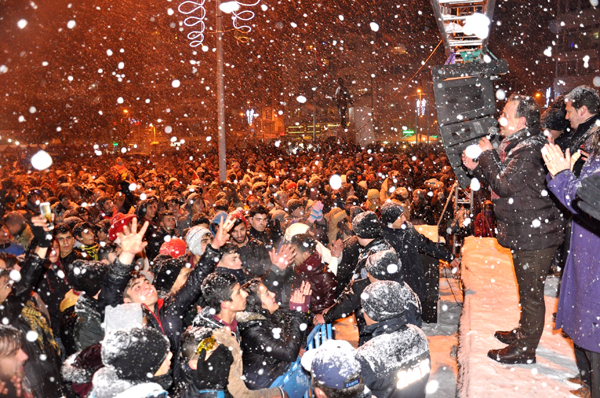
x: 427, y: 120
x: 314, y: 118
x: 417, y: 122
x: 221, y: 95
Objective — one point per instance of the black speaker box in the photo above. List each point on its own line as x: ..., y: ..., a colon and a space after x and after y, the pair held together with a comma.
x: 456, y: 137
x: 461, y: 99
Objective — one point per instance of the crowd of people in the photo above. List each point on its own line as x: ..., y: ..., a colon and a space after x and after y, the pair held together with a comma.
x: 153, y: 278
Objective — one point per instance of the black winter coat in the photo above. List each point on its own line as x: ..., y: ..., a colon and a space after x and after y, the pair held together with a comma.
x: 255, y: 257
x: 270, y: 343
x: 393, y: 346
x: 348, y: 264
x: 349, y: 302
x: 528, y: 219
x: 408, y: 243
x: 44, y: 377
x: 81, y: 325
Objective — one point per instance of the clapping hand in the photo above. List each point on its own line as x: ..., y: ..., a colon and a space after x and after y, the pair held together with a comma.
x: 555, y: 160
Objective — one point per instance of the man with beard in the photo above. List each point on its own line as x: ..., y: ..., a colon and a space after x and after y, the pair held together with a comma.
x: 12, y: 359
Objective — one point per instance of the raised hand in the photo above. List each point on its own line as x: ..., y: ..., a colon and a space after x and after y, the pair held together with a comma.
x: 298, y: 295
x: 283, y: 257
x: 132, y: 241
x: 222, y: 235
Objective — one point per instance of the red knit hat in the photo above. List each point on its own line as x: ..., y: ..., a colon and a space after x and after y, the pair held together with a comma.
x: 117, y: 223
x: 175, y: 248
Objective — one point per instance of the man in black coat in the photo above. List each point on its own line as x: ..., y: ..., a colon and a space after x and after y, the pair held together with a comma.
x: 529, y: 223
x: 408, y: 243
x: 395, y: 357
x: 380, y: 266
x: 583, y: 114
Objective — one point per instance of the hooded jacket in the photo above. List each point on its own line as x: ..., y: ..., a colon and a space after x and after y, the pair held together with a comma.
x: 393, y: 346
x: 408, y: 243
x: 107, y: 384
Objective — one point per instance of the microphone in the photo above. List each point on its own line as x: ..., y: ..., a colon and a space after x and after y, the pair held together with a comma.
x: 492, y: 133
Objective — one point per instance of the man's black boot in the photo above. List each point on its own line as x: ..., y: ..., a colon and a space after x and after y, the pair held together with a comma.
x: 513, y: 355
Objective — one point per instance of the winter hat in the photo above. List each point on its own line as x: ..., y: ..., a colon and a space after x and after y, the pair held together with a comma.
x: 166, y: 270
x: 383, y: 300
x: 214, y: 224
x: 293, y: 204
x: 366, y: 225
x: 390, y: 211
x: 87, y: 276
x: 175, y: 247
x: 72, y: 221
x: 117, y: 224
x: 295, y: 229
x: 136, y: 354
x: 238, y: 218
x: 384, y: 265
x: 333, y: 364
x: 194, y: 238
x: 554, y: 119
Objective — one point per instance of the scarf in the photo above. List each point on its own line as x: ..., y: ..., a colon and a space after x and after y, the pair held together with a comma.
x: 38, y: 323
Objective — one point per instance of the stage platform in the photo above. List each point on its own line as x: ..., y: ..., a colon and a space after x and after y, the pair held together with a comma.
x: 490, y: 304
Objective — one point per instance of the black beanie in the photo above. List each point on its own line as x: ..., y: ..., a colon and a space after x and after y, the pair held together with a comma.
x: 383, y: 300
x: 390, y: 211
x: 136, y: 353
x: 554, y: 119
x: 166, y: 270
x: 87, y: 276
x: 366, y: 225
x: 384, y: 265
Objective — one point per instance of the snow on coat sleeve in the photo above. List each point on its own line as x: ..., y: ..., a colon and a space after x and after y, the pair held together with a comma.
x: 509, y: 179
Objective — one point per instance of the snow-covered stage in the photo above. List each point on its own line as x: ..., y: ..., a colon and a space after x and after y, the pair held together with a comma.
x: 490, y: 304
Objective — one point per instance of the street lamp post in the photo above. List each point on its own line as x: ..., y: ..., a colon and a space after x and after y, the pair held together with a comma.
x: 221, y: 95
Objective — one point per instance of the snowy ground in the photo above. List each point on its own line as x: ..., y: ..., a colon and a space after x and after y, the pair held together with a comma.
x: 490, y: 304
